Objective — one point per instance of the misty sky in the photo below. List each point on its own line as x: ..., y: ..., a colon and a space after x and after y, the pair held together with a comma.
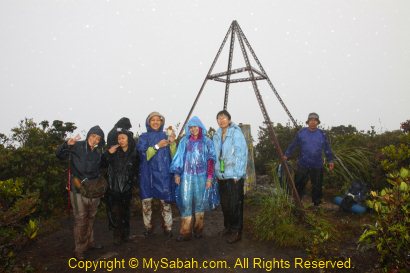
x: 93, y: 62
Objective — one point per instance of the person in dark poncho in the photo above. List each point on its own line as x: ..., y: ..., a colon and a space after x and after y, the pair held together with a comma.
x: 122, y: 162
x: 122, y: 124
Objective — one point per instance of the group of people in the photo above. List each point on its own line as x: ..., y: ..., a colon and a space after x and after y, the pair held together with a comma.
x: 183, y: 173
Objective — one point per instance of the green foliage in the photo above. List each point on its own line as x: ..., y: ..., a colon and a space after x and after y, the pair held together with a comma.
x: 15, y: 231
x: 31, y: 229
x: 10, y: 189
x: 321, y: 232
x: 30, y: 157
x: 395, y: 157
x: 391, y: 232
x: 265, y: 151
x: 32, y: 182
x: 352, y: 163
x: 276, y: 220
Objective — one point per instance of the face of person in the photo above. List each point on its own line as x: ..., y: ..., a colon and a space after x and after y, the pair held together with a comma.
x: 123, y: 140
x: 93, y: 140
x: 223, y: 121
x: 312, y: 123
x: 155, y: 122
x: 194, y: 130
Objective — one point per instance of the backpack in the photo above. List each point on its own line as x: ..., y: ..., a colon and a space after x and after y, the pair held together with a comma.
x: 356, y: 194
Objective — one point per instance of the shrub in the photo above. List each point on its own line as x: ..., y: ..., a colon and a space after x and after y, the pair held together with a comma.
x: 391, y: 232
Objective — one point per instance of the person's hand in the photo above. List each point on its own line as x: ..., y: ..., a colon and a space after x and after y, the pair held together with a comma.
x: 331, y: 166
x: 177, y: 179
x: 208, y: 184
x: 73, y: 140
x: 163, y: 143
x: 113, y: 149
x: 285, y: 158
x: 172, y: 137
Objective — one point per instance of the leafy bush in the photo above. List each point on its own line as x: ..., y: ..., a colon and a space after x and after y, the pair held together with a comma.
x: 276, y: 220
x: 391, y: 232
x: 351, y: 163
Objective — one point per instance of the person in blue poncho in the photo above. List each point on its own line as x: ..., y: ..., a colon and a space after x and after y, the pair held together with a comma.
x: 156, y: 181
x: 193, y: 167
x: 230, y: 169
x: 312, y: 142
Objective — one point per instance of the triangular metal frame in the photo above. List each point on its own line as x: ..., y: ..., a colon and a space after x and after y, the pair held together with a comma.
x: 254, y: 75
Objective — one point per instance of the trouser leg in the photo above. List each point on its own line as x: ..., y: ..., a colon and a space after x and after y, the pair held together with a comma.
x: 116, y: 217
x: 147, y: 213
x: 301, y: 179
x: 92, y: 211
x: 224, y: 191
x: 166, y: 212
x: 84, y: 214
x: 126, y: 219
x: 316, y: 178
x: 236, y: 206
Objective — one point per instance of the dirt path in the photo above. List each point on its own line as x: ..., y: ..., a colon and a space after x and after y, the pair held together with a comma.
x: 52, y: 253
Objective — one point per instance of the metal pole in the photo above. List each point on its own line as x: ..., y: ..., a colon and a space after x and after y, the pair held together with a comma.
x: 240, y: 33
x: 206, y: 79
x: 273, y: 136
x: 228, y: 76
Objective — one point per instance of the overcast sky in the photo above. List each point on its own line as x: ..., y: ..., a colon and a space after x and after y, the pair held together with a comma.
x: 93, y: 62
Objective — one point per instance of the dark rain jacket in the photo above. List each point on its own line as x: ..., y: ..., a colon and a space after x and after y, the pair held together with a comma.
x: 123, y: 123
x: 122, y: 169
x: 311, y: 144
x: 156, y: 181
x: 84, y: 162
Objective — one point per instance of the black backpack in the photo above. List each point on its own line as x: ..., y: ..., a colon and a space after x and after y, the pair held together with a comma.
x: 356, y: 194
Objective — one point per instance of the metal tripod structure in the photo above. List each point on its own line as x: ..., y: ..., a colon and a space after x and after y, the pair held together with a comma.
x: 253, y: 76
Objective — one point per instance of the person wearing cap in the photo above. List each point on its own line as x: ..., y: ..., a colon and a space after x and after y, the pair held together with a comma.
x: 122, y: 160
x: 156, y: 150
x: 230, y: 169
x: 85, y: 161
x: 312, y: 142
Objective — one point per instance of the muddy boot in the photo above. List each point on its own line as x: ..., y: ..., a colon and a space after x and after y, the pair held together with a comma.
x: 185, y: 230
x: 166, y: 212
x: 199, y: 225
x: 146, y: 216
x: 234, y: 237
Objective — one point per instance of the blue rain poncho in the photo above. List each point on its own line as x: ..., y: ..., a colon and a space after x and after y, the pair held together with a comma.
x: 155, y: 179
x: 233, y: 150
x: 191, y: 163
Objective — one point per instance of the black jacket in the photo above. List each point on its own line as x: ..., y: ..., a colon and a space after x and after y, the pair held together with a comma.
x: 122, y: 168
x: 123, y: 123
x: 84, y: 162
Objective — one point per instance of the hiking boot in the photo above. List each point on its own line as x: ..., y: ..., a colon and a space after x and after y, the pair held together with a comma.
x: 168, y: 233
x: 225, y: 232
x: 79, y: 256
x: 148, y: 233
x: 117, y: 241
x: 234, y: 237
x: 96, y: 246
x: 182, y: 238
